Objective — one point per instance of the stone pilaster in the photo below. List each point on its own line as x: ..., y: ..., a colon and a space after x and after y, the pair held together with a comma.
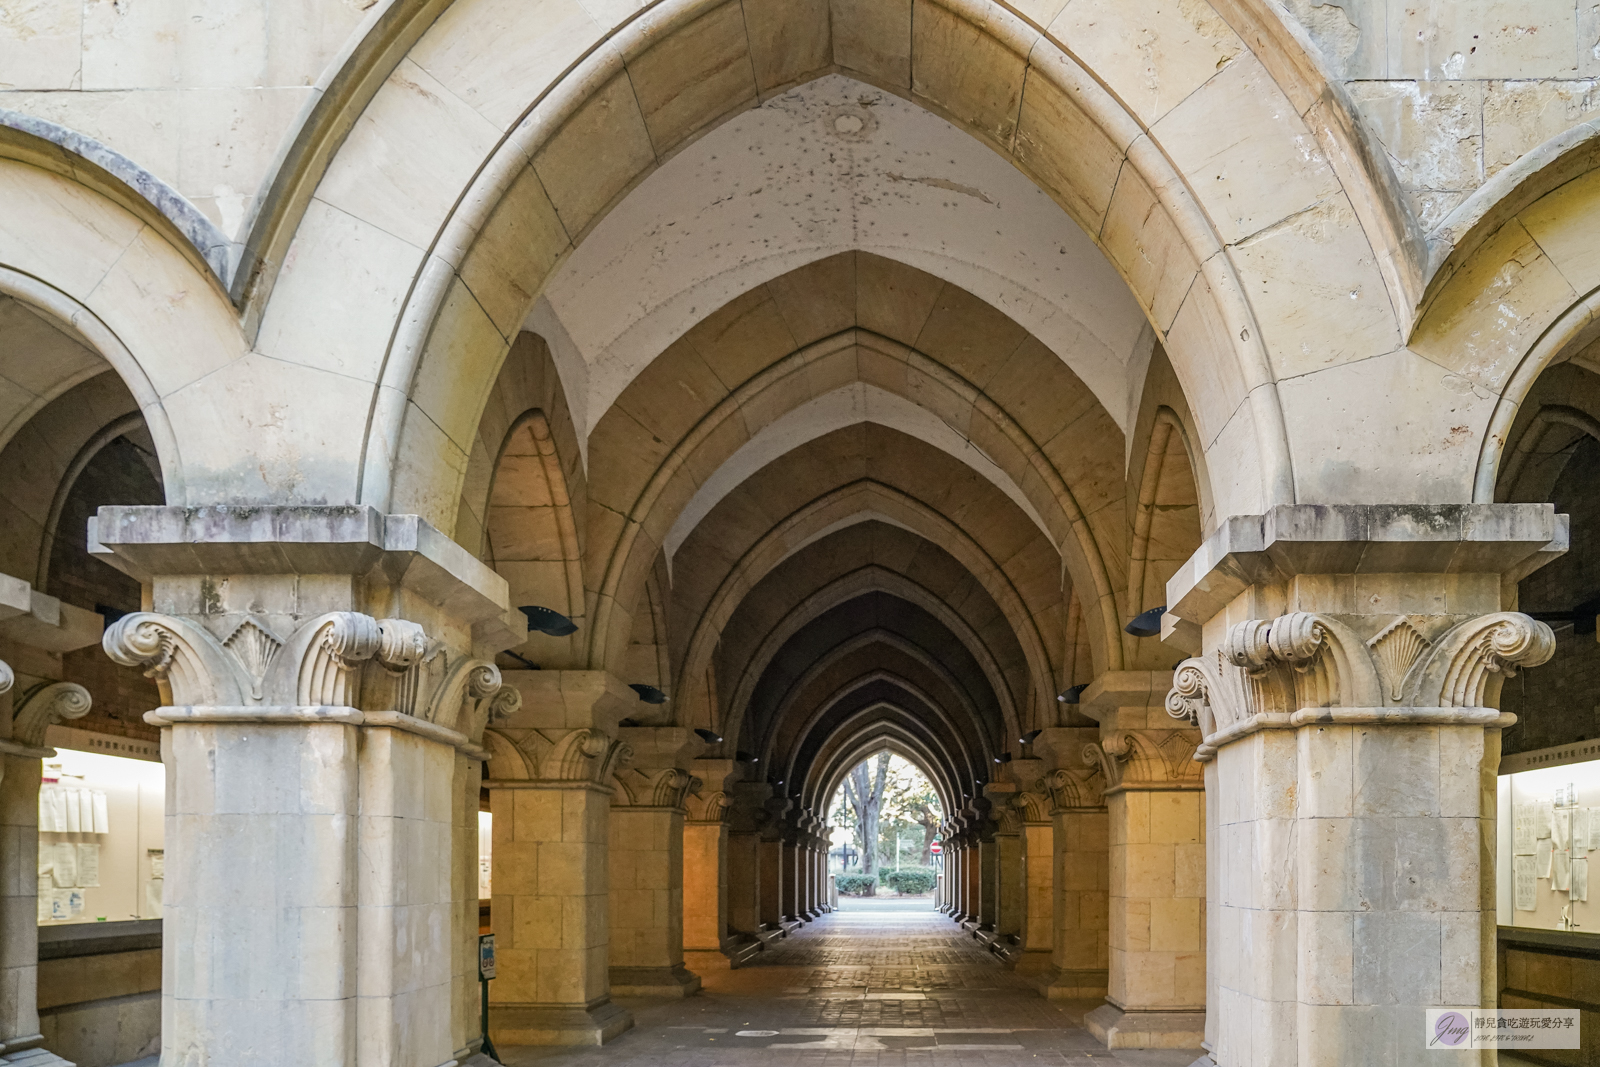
x: 1350, y: 663
x: 747, y: 818
x: 707, y: 920
x: 1080, y: 862
x: 326, y: 681
x: 771, y: 850
x: 1155, y: 821
x: 35, y: 629
x: 553, y: 779
x: 647, y: 818
x: 1032, y: 806
x: 1011, y: 874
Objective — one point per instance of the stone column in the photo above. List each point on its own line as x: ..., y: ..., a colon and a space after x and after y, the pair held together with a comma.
x: 790, y: 905
x: 1032, y: 807
x: 1155, y: 818
x: 771, y: 852
x: 1353, y: 658
x: 647, y: 847
x: 325, y: 688
x: 551, y: 788
x: 747, y: 817
x: 1081, y: 865
x: 707, y: 918
x: 35, y: 630
x: 1010, y: 873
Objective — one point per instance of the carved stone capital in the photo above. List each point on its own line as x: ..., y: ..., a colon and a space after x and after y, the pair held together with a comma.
x: 664, y: 787
x: 706, y: 806
x: 44, y: 704
x: 338, y: 660
x: 1306, y: 667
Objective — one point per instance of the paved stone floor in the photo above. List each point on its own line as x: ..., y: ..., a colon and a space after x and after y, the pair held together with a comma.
x: 873, y: 985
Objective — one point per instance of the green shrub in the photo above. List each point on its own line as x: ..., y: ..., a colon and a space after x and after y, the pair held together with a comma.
x: 857, y: 885
x: 912, y: 881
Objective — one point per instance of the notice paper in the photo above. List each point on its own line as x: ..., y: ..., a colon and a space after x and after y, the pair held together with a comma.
x: 1594, y: 829
x: 1561, y: 830
x: 88, y: 865
x: 1579, y: 844
x: 66, y: 864
x: 1580, y: 880
x: 1541, y: 859
x: 74, y: 902
x: 102, y: 820
x: 58, y: 905
x: 46, y: 891
x: 73, y: 822
x: 158, y: 862
x: 1526, y: 885
x: 52, y: 810
x: 1561, y: 874
x: 1522, y: 835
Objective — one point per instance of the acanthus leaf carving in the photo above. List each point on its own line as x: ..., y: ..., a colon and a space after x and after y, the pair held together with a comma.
x: 1268, y: 671
x: 659, y: 788
x: 706, y: 807
x: 1469, y: 662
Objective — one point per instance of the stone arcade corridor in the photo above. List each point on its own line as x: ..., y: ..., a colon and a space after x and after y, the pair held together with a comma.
x: 492, y: 467
x: 879, y: 983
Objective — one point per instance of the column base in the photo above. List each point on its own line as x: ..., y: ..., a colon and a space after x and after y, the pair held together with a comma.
x: 1115, y: 1028
x: 1057, y: 984
x: 654, y: 981
x: 34, y: 1057
x: 1036, y: 962
x: 512, y: 1024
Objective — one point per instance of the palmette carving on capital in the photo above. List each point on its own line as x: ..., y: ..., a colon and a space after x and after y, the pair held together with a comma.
x: 342, y: 659
x: 1278, y: 673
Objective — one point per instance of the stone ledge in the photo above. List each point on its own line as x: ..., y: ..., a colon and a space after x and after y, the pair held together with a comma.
x: 513, y: 1024
x: 39, y: 620
x: 147, y: 541
x: 1504, y: 539
x: 1115, y: 1028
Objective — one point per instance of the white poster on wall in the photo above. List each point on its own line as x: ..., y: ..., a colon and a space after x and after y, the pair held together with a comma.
x: 1541, y: 859
x: 66, y: 864
x: 89, y: 865
x: 1526, y: 885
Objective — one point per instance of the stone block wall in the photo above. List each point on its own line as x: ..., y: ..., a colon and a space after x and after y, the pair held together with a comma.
x: 1158, y: 889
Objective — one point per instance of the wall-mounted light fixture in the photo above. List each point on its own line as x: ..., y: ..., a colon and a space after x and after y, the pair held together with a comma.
x: 708, y: 737
x: 648, y: 693
x: 1146, y: 623
x: 1072, y: 695
x: 1030, y: 737
x: 1004, y: 757
x: 548, y: 621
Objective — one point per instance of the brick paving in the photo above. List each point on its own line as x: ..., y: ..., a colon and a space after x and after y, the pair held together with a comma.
x: 870, y: 986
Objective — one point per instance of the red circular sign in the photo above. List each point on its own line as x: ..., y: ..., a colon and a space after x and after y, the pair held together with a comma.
x: 936, y: 848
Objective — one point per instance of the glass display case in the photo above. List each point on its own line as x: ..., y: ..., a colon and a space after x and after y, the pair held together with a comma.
x: 101, y: 806
x: 1548, y: 839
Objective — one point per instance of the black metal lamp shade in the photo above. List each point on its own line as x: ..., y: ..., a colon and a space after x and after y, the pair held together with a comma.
x: 548, y: 621
x: 1146, y: 623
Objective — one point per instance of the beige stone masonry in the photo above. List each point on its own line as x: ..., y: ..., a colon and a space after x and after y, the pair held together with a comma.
x: 647, y: 863
x: 349, y: 942
x: 707, y: 921
x: 1156, y: 839
x: 1352, y: 659
x: 34, y: 630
